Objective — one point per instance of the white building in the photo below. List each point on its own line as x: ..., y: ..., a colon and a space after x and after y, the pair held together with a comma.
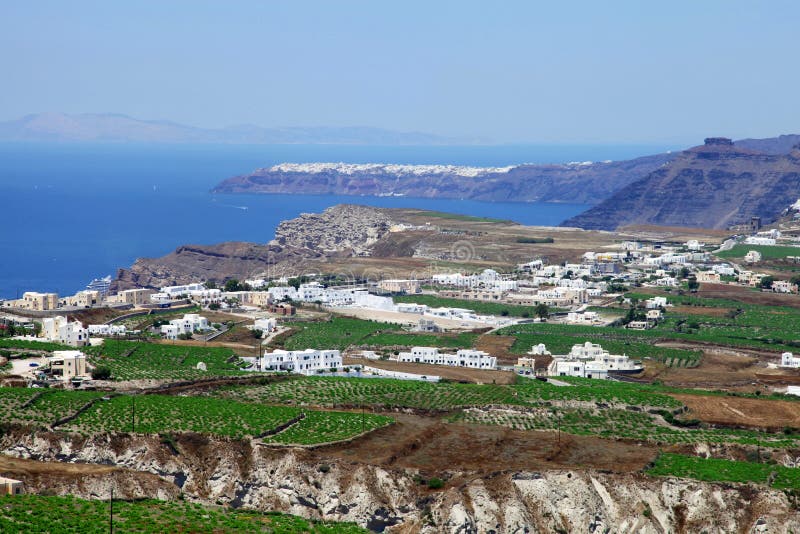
x: 783, y: 286
x: 753, y: 256
x: 67, y: 364
x: 560, y: 367
x: 169, y: 331
x: 59, y: 330
x: 206, y: 296
x: 190, y: 323
x: 724, y: 270
x: 587, y: 317
x: 107, y: 330
x: 590, y: 360
x: 488, y: 279
x: 655, y: 303
x: 304, y: 362
x: 758, y: 240
x: 789, y: 360
x: 475, y: 359
x: 178, y: 291
x: 266, y: 324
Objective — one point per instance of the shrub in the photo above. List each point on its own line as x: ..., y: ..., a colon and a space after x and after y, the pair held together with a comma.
x: 435, y: 483
x: 101, y: 372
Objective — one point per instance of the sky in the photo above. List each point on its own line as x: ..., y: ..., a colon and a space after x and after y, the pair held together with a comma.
x: 504, y: 71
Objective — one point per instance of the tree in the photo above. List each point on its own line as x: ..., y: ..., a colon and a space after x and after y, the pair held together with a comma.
x: 685, y: 272
x: 542, y: 311
x: 693, y: 284
x: 294, y: 282
x: 257, y: 333
x: 210, y: 284
x: 101, y: 373
x: 233, y: 285
x: 766, y: 282
x: 795, y: 280
x: 214, y: 306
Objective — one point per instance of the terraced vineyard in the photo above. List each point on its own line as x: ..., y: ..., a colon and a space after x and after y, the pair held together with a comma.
x: 325, y: 427
x: 33, y: 345
x: 129, y: 360
x: 560, y: 338
x: 47, y: 406
x: 342, y: 332
x: 333, y: 391
x: 158, y: 413
x: 32, y: 513
x: 618, y: 424
x: 719, y: 470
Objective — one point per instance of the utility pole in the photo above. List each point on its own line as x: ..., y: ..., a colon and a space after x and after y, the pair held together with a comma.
x: 111, y: 512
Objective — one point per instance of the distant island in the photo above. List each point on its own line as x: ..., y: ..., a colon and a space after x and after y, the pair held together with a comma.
x: 113, y: 127
x: 579, y: 182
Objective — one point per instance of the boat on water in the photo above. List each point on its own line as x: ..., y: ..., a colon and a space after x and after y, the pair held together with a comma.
x: 100, y: 284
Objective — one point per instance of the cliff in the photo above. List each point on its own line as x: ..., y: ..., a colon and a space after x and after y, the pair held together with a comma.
x: 574, y: 182
x: 387, y: 498
x: 715, y: 185
x: 343, y: 230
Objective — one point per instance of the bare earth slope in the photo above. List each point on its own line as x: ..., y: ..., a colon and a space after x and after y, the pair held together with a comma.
x: 715, y: 185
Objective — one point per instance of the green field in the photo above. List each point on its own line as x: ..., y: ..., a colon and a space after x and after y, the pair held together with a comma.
x: 33, y: 345
x: 560, y: 338
x: 156, y: 414
x: 34, y: 514
x: 767, y: 252
x: 342, y: 332
x: 335, y: 391
x: 459, y: 217
x: 45, y: 409
x: 718, y: 470
x: 750, y: 325
x: 129, y: 360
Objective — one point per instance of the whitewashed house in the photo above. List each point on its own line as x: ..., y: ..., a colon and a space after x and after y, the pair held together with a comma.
x: 107, y: 330
x: 265, y: 324
x: 790, y: 360
x: 67, y: 364
x: 752, y: 256
x: 190, y: 323
x: 475, y: 359
x: 304, y: 362
x: 587, y: 317
x: 59, y: 330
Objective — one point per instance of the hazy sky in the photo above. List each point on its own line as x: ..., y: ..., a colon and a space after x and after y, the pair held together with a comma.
x: 555, y: 71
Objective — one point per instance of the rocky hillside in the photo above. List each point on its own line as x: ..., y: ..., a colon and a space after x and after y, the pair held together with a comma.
x: 575, y: 182
x: 386, y: 498
x: 716, y: 185
x: 343, y: 230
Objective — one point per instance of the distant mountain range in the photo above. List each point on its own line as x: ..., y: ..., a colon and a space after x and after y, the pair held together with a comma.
x: 91, y: 127
x: 715, y: 185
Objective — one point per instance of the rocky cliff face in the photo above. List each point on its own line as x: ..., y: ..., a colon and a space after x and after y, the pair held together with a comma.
x: 343, y: 230
x: 382, y: 498
x: 715, y: 185
x: 575, y: 182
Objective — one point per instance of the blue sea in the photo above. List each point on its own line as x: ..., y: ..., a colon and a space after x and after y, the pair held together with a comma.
x: 73, y: 212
